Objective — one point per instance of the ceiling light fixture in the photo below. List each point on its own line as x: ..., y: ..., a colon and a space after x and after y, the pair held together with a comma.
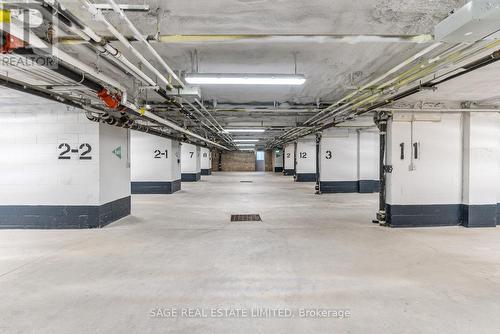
x: 246, y: 140
x: 244, y: 79
x: 245, y: 145
x: 245, y: 130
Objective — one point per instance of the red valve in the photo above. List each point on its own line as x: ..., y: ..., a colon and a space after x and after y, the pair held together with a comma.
x: 111, y: 101
x: 9, y: 43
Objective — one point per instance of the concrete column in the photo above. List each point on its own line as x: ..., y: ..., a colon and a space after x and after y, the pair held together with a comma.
x: 278, y: 160
x: 190, y: 163
x: 206, y: 161
x: 368, y: 161
x: 306, y: 160
x: 289, y: 168
x: 481, y: 168
x: 155, y: 164
x: 58, y: 169
x: 339, y: 161
x: 425, y: 185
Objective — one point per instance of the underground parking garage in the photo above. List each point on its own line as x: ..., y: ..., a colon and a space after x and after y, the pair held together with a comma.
x: 228, y: 166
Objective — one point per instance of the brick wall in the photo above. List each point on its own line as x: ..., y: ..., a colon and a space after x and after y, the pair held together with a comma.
x: 269, y: 160
x: 234, y: 161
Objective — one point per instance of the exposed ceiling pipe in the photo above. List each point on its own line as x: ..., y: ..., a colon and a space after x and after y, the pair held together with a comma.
x: 87, y: 69
x: 103, y: 46
x: 444, y: 110
x: 175, y: 127
x: 141, y: 38
x: 218, y: 125
x: 211, y: 125
x: 63, y: 56
x: 376, y: 80
x: 277, y: 38
x: 99, y: 16
x: 415, y: 76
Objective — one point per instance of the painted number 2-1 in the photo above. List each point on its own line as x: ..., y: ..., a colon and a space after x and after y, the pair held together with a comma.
x: 160, y: 154
x: 83, y: 150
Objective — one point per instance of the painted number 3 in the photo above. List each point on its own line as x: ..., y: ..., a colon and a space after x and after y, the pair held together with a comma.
x: 328, y: 155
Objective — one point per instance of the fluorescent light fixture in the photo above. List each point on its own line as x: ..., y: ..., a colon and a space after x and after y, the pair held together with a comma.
x: 244, y: 79
x: 245, y: 130
x: 245, y: 144
x: 246, y: 140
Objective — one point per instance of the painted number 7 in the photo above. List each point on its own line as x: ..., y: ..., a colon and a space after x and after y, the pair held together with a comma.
x: 191, y: 154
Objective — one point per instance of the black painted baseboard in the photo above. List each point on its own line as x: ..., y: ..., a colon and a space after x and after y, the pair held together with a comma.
x: 305, y: 177
x: 423, y: 215
x: 149, y: 187
x: 442, y: 215
x: 176, y: 185
x: 278, y: 169
x: 368, y: 186
x: 62, y: 216
x: 498, y: 213
x: 338, y: 186
x: 206, y: 172
x: 289, y: 172
x: 480, y: 215
x: 190, y: 177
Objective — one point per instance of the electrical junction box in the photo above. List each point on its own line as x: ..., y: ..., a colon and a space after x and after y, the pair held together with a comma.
x: 477, y: 20
x: 188, y: 91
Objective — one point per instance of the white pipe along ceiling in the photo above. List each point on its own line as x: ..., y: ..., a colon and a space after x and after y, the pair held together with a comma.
x: 164, y: 68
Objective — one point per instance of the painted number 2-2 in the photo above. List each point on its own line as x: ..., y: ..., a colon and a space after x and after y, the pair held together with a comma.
x: 83, y: 150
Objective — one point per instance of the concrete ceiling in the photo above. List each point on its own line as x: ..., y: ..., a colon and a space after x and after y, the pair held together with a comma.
x: 331, y: 68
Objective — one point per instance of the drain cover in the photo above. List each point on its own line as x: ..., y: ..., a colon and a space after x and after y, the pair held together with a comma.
x: 246, y: 218
x: 246, y: 181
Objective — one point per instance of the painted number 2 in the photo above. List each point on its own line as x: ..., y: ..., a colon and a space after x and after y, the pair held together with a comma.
x: 84, y: 150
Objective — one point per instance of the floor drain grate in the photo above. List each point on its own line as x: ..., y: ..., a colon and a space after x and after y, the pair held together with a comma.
x: 246, y: 218
x: 246, y: 181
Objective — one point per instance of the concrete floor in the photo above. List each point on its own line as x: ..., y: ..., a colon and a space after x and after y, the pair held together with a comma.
x: 181, y: 251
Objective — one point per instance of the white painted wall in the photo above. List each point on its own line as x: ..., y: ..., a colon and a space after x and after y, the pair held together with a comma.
x: 277, y: 158
x: 306, y: 156
x: 206, y: 158
x: 176, y: 161
x: 290, y: 156
x: 114, y: 172
x: 342, y: 146
x: 498, y: 159
x: 190, y: 158
x: 30, y: 171
x: 149, y: 158
x: 368, y: 154
x: 481, y: 158
x: 438, y: 172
